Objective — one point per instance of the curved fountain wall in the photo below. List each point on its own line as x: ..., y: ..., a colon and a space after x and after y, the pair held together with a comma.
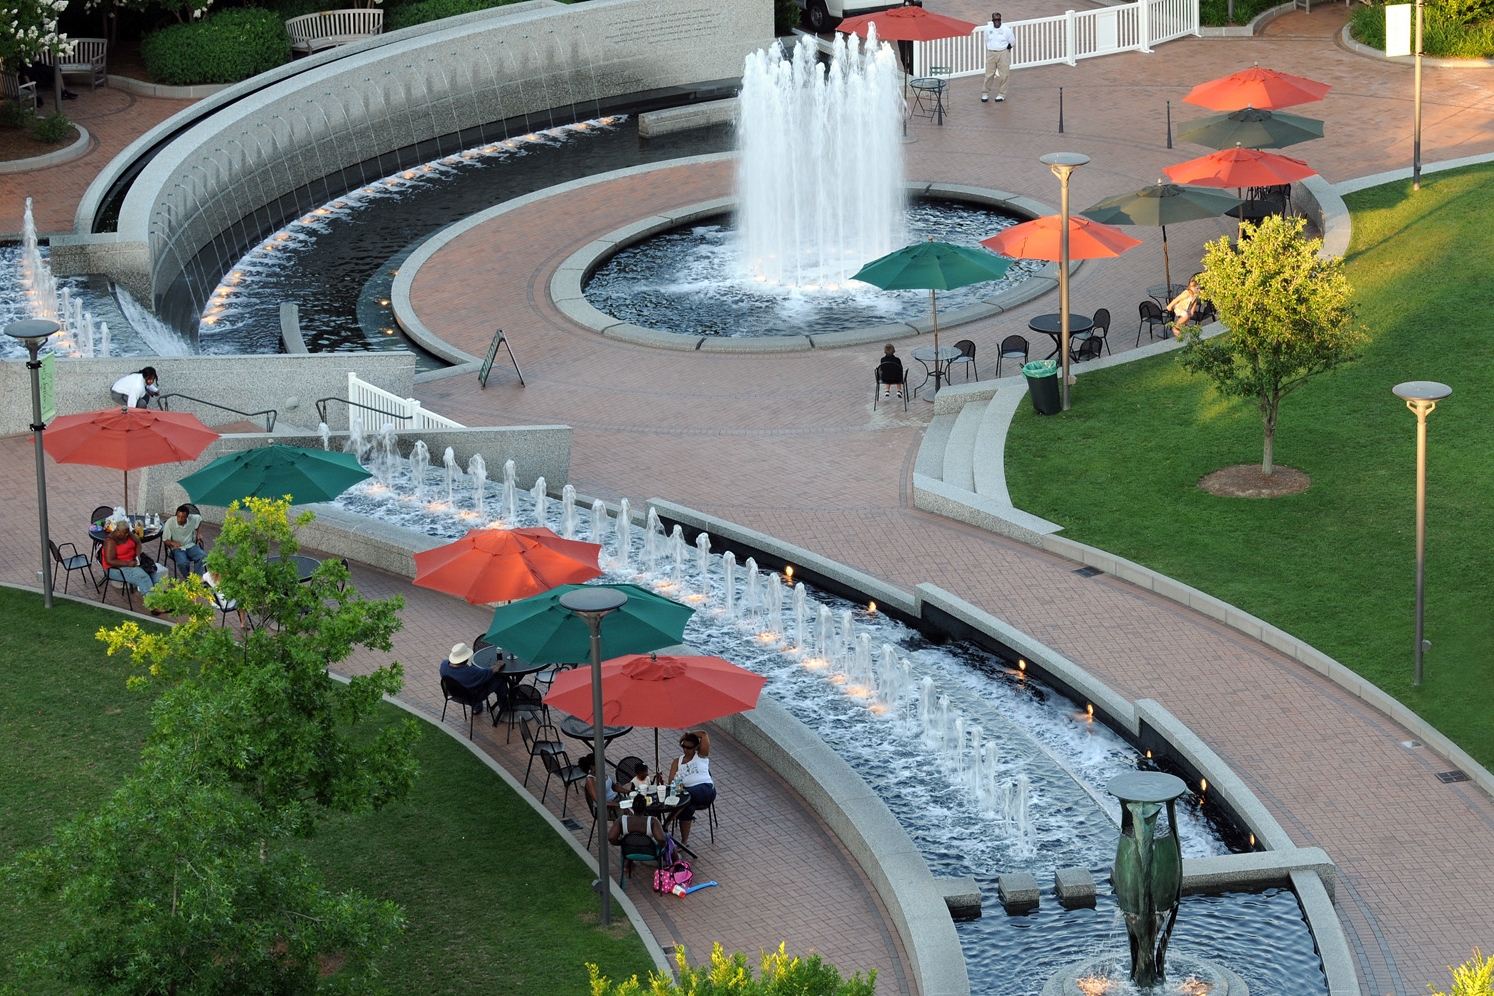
x: 304, y: 137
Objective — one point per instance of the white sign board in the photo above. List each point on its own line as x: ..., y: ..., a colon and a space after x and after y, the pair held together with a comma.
x: 1397, y: 29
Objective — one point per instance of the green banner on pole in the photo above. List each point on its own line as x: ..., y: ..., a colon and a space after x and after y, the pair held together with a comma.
x: 48, y: 388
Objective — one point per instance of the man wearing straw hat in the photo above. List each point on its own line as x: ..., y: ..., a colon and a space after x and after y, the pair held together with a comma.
x: 485, y: 681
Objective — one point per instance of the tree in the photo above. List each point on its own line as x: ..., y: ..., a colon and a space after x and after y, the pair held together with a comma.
x: 1288, y: 314
x: 28, y: 31
x: 188, y: 880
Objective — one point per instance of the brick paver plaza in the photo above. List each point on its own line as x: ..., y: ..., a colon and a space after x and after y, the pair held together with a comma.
x: 788, y: 444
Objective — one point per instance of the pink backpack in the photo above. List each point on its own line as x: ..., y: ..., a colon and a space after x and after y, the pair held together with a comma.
x: 676, y: 875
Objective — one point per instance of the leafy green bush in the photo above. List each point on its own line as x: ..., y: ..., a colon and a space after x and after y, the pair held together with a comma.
x: 52, y: 129
x: 1215, y: 13
x: 422, y: 11
x: 225, y: 47
x: 785, y: 17
x: 731, y: 977
x: 1443, y: 33
x: 13, y: 115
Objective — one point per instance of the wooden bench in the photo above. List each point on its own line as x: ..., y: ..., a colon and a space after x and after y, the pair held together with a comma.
x: 88, y: 57
x: 13, y: 91
x: 330, y: 28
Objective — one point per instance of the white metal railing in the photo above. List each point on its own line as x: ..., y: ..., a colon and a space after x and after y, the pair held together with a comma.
x: 1066, y: 37
x: 407, y: 412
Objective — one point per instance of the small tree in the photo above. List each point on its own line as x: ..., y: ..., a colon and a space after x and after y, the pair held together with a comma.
x: 28, y: 31
x: 188, y: 880
x: 1288, y: 313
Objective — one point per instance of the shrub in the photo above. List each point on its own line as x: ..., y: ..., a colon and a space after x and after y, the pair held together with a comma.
x: 13, y: 115
x: 422, y: 11
x: 785, y: 17
x: 1443, y: 32
x: 1473, y: 978
x: 225, y: 47
x: 730, y: 976
x: 1215, y: 13
x: 52, y: 129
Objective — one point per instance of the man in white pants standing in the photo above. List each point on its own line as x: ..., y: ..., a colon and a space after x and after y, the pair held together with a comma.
x: 999, y: 44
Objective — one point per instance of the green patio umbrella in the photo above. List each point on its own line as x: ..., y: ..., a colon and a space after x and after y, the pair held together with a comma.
x: 933, y: 266
x: 540, y: 631
x: 1160, y: 205
x: 272, y: 472
x: 1251, y: 128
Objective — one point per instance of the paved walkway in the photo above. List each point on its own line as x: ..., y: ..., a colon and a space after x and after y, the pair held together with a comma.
x: 788, y: 444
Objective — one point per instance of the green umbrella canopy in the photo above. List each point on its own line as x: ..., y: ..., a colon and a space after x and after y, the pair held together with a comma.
x: 933, y: 266
x: 539, y: 630
x: 1160, y: 205
x: 272, y: 472
x: 1252, y: 129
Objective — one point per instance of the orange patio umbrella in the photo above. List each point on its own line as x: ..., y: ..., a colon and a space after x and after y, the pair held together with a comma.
x: 907, y: 24
x: 1263, y: 89
x: 667, y: 691
x: 1239, y: 167
x: 501, y: 565
x: 1038, y: 239
x: 127, y: 439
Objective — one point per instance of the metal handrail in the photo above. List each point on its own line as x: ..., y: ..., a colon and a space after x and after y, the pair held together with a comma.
x: 321, y: 408
x: 269, y: 413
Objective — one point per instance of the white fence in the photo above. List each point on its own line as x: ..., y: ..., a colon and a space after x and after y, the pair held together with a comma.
x: 1067, y: 37
x: 405, y: 413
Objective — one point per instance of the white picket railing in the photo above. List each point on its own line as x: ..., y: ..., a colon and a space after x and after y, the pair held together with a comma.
x: 1067, y: 37
x: 408, y: 412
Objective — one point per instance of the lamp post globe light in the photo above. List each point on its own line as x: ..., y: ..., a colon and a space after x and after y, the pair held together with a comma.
x: 591, y: 604
x: 1063, y: 165
x: 33, y: 332
x: 1421, y: 396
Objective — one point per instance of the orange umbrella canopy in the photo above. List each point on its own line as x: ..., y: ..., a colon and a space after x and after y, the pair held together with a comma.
x: 500, y: 565
x: 1239, y: 167
x: 907, y: 24
x: 648, y: 690
x: 1263, y: 89
x: 1039, y: 238
x: 127, y: 439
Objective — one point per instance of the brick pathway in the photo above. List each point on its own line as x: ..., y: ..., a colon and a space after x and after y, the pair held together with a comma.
x: 788, y: 444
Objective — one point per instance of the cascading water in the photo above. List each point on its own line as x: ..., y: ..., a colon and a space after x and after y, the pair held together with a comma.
x: 729, y: 579
x: 598, y: 521
x: 677, y: 553
x: 703, y: 562
x: 651, y: 535
x: 355, y: 443
x: 449, y: 459
x: 385, y: 454
x: 801, y: 618
x: 325, y: 431
x: 510, y: 510
x: 820, y: 177
x: 624, y: 534
x: 773, y: 601
x: 749, y: 595
x: 541, y: 498
x: 420, y: 460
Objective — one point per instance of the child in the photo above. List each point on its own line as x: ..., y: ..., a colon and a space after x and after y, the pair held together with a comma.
x: 890, y: 371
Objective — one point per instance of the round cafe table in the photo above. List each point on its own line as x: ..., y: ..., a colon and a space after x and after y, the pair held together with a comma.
x: 940, y: 360
x: 1052, y: 327
x: 581, y: 729
x: 305, y: 566
x: 513, y: 669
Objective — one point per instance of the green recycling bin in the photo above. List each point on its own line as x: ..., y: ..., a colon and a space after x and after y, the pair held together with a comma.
x: 1042, y: 384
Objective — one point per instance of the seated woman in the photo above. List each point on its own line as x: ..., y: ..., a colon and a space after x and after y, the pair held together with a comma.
x: 636, y: 822
x: 1184, y: 307
x: 121, y: 554
x: 694, y: 769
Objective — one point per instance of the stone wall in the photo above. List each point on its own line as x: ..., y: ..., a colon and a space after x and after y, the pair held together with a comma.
x: 411, y: 88
x: 289, y: 384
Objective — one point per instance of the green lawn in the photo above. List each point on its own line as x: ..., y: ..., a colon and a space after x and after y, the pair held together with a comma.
x: 1334, y: 565
x: 496, y: 902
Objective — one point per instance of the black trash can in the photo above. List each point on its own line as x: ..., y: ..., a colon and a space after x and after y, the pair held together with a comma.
x: 1042, y: 384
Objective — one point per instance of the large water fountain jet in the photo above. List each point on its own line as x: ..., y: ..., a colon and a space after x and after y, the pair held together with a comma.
x: 821, y: 169
x: 477, y: 469
x: 420, y: 459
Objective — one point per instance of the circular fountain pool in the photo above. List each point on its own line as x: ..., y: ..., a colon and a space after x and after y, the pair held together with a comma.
x: 688, y: 280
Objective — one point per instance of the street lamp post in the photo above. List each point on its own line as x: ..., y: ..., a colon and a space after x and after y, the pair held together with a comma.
x: 591, y: 604
x: 1421, y: 396
x: 1062, y: 164
x: 33, y: 332
x: 1416, y: 128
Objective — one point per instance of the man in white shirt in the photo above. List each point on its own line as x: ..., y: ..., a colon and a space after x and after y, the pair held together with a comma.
x: 999, y: 44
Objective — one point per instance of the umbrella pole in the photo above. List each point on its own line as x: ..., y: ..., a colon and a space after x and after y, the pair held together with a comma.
x: 1166, y: 265
x: 656, y: 752
x: 127, y: 492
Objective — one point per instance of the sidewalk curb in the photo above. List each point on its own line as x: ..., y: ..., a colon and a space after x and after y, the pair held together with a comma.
x: 79, y: 147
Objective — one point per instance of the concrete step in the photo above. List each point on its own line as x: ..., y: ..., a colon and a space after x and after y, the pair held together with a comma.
x: 930, y: 460
x: 959, y: 450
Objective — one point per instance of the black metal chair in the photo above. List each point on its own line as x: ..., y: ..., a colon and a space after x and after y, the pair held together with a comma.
x: 967, y: 357
x: 1100, y: 329
x: 74, y: 561
x: 1089, y: 349
x: 524, y: 700
x: 635, y: 848
x: 469, y: 699
x: 626, y: 769
x: 537, y: 741
x: 1153, y: 318
x: 558, y: 765
x: 1013, y: 347
x: 99, y: 514
x: 880, y: 384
